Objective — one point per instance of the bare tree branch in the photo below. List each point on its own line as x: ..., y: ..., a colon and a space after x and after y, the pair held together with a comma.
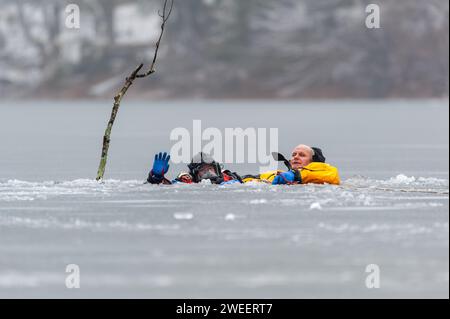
x: 165, y: 16
x: 128, y: 83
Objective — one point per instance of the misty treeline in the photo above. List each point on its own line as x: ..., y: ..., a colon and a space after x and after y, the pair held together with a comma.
x: 227, y: 49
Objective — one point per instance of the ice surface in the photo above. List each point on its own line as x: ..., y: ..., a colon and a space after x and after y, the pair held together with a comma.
x: 253, y: 240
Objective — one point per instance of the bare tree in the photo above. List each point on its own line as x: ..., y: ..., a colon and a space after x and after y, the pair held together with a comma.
x: 47, y: 42
x: 323, y: 49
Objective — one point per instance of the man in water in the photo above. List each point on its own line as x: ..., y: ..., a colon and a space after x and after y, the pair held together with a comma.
x: 307, y: 166
x: 202, y: 167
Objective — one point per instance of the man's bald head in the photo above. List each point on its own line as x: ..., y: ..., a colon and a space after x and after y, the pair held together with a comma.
x: 302, y: 155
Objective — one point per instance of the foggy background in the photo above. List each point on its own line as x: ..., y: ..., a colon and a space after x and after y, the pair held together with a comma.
x: 215, y: 49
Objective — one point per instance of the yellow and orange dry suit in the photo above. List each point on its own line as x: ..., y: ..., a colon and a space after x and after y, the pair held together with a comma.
x: 314, y: 173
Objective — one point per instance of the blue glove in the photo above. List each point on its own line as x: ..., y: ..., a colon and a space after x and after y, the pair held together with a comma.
x: 284, y: 178
x: 161, y: 165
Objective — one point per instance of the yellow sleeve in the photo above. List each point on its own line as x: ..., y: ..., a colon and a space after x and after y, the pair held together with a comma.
x: 266, y: 177
x: 314, y: 173
x: 320, y: 173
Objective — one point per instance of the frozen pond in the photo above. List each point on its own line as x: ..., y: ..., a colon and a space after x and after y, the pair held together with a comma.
x: 135, y: 240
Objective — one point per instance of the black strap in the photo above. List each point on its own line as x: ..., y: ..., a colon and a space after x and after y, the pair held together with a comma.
x: 318, y: 155
x: 152, y: 179
x: 297, y: 176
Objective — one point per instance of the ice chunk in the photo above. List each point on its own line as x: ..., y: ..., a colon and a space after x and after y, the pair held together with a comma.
x: 402, y: 179
x: 230, y: 217
x: 315, y: 206
x: 183, y: 216
x: 258, y: 201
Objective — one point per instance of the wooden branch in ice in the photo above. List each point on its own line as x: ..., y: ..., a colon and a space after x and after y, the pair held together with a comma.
x: 167, y: 10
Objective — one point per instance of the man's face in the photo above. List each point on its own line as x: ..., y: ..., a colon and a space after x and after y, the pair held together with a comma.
x: 301, y: 157
x: 207, y: 172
